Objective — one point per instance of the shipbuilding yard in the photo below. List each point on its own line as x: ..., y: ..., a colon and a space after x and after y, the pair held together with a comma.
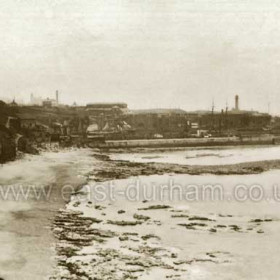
x: 99, y: 123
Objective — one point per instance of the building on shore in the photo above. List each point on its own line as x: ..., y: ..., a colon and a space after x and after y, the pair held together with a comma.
x: 116, y: 121
x: 108, y: 117
x: 48, y: 102
x: 157, y: 123
x: 176, y: 123
x: 235, y: 121
x: 106, y: 109
x: 34, y: 100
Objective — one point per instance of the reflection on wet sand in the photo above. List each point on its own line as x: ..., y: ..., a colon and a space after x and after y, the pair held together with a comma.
x: 26, y: 240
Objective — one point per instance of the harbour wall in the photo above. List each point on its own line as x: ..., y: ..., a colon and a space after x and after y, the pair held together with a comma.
x: 190, y: 142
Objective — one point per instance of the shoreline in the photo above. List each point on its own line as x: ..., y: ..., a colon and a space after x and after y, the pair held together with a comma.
x: 75, y: 230
x: 121, y: 169
x: 189, y: 142
x: 104, y: 242
x: 26, y: 234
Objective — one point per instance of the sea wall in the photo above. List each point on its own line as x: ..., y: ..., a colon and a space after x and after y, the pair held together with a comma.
x: 189, y: 142
x: 7, y: 148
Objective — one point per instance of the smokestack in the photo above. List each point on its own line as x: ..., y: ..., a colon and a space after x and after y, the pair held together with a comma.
x: 57, y: 97
x: 236, y: 102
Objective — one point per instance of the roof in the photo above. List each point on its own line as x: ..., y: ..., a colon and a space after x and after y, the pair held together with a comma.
x: 26, y: 116
x: 49, y: 100
x: 243, y: 112
x: 106, y: 105
x: 233, y: 112
x: 156, y: 111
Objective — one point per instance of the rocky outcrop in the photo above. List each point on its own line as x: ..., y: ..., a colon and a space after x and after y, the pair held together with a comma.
x: 26, y: 146
x: 7, y: 145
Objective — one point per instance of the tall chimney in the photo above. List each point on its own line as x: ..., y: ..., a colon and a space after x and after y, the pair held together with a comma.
x: 236, y: 102
x: 57, y: 97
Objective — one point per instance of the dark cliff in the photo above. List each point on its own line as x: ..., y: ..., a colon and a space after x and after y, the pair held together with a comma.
x: 7, y: 145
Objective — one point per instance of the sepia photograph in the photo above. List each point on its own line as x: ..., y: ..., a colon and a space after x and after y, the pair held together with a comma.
x: 139, y: 139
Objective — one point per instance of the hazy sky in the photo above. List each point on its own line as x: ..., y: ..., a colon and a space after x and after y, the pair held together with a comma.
x: 148, y: 53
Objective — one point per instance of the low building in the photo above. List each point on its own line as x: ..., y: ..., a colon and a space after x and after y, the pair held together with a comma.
x: 27, y: 121
x: 166, y: 122
x: 105, y: 108
x: 107, y: 116
x: 235, y: 122
x: 48, y: 103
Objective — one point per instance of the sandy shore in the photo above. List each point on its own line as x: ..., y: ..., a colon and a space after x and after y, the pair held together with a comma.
x: 110, y: 169
x: 143, y: 239
x: 26, y: 239
x: 131, y: 239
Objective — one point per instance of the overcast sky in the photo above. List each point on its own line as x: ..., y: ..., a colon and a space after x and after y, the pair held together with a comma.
x: 148, y: 53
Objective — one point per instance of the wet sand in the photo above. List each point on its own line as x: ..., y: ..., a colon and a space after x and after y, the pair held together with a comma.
x: 170, y: 239
x: 26, y: 239
x: 200, y: 156
x: 134, y: 240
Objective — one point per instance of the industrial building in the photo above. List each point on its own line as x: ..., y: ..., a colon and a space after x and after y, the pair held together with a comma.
x: 116, y: 121
x: 107, y: 117
x: 235, y: 121
x: 48, y: 102
x: 155, y: 123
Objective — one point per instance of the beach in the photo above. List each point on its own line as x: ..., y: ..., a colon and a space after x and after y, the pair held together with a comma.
x: 111, y: 230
